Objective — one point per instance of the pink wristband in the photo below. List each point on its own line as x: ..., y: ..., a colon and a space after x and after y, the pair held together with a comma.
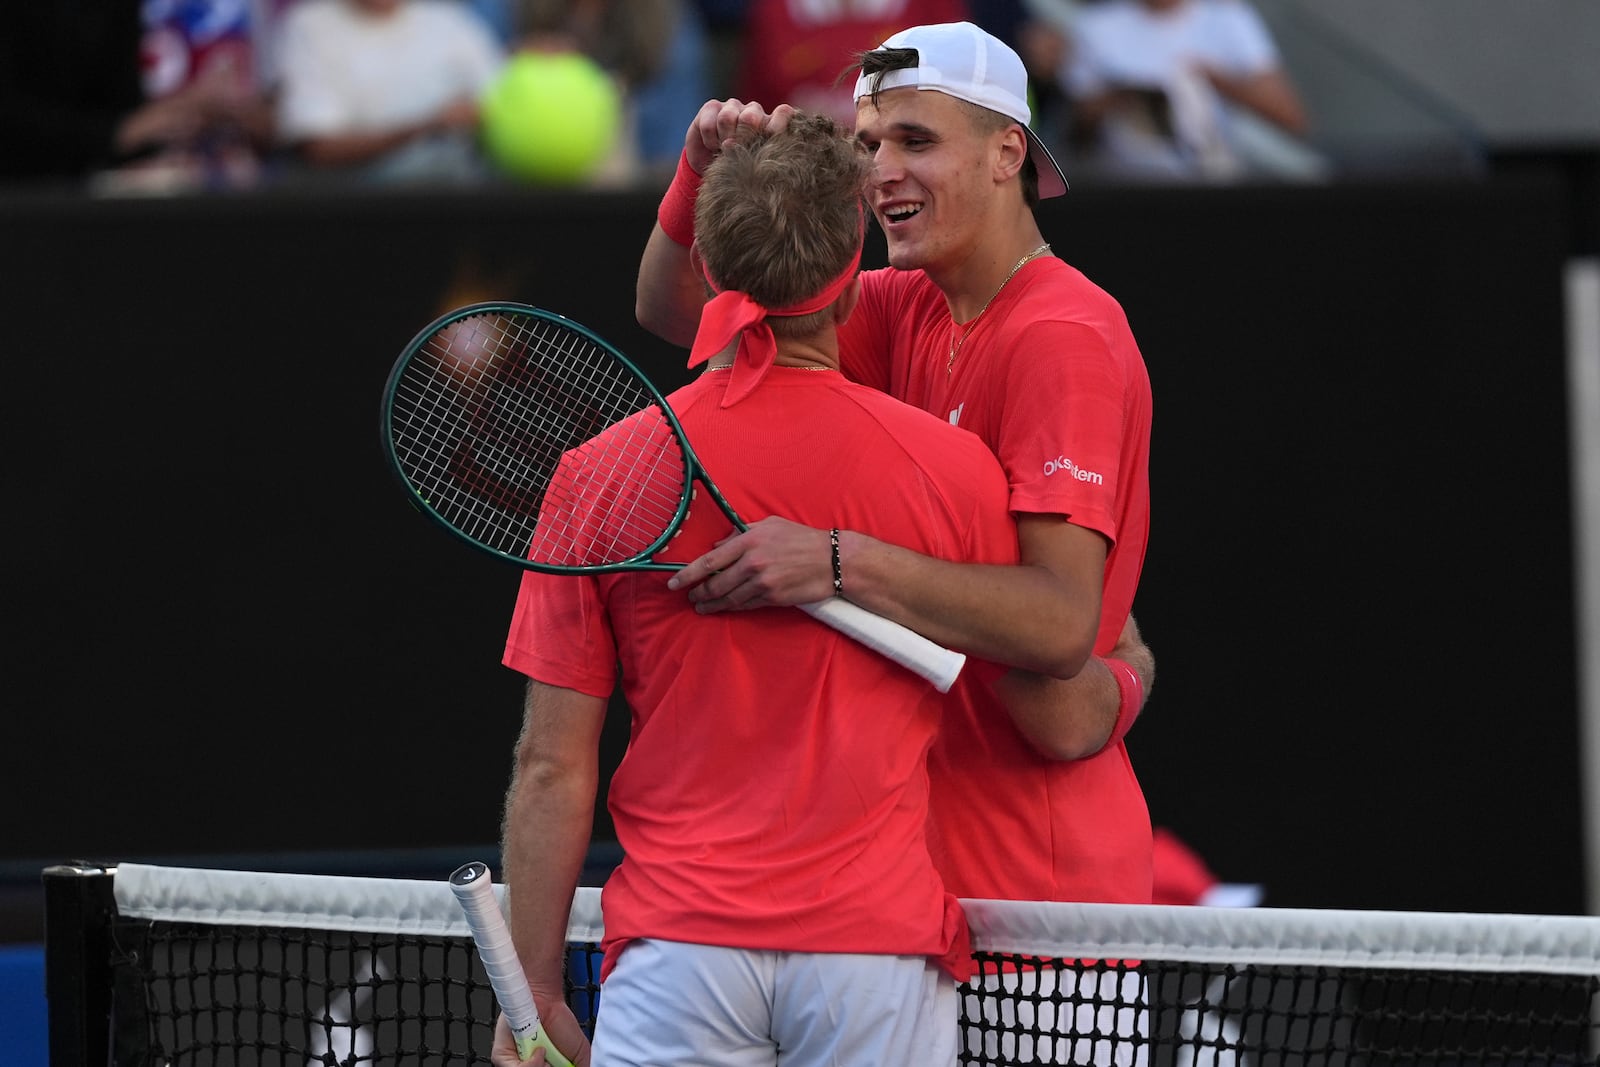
x: 1130, y: 691
x: 676, y: 213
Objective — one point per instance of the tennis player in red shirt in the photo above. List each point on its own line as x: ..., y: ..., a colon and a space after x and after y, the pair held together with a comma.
x: 976, y: 321
x: 777, y: 891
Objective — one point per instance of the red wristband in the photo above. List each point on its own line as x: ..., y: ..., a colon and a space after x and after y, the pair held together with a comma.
x: 1130, y: 691
x: 676, y: 213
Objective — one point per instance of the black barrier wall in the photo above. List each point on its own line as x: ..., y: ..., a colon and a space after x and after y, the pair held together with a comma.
x: 231, y: 634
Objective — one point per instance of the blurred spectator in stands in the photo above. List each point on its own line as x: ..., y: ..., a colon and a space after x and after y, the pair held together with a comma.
x: 1179, y: 90
x: 721, y: 15
x: 1034, y: 33
x: 667, y: 97
x: 385, y: 90
x: 207, y: 46
x: 500, y: 16
x: 1006, y: 19
x: 658, y: 52
x: 84, y: 93
x: 1037, y: 31
x: 794, y: 51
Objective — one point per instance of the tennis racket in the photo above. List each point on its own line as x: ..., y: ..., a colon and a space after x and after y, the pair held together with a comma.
x: 474, y: 889
x: 529, y: 437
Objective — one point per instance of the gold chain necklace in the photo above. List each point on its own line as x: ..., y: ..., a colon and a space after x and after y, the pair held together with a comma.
x: 955, y: 344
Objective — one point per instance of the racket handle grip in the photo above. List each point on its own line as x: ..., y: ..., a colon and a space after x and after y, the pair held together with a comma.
x: 906, y: 647
x: 474, y: 890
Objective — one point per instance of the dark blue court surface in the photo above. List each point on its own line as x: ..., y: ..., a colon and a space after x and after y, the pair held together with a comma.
x: 22, y: 1009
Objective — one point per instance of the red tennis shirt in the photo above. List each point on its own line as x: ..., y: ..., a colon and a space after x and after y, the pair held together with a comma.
x: 1049, y: 376
x: 774, y: 793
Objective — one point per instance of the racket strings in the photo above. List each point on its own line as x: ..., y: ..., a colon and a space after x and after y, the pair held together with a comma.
x: 530, y: 438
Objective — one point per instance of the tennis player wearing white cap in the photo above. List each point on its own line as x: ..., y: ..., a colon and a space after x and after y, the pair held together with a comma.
x: 1034, y: 796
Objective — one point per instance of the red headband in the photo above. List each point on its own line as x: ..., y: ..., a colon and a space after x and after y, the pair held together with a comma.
x: 733, y: 314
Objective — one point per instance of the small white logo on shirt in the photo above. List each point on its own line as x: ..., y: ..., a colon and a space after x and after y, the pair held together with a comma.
x: 1063, y: 464
x: 955, y: 413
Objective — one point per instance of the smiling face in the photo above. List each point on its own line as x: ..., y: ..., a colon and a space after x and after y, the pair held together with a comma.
x: 937, y: 187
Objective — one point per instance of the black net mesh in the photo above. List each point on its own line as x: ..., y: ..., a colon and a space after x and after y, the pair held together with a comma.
x: 213, y: 994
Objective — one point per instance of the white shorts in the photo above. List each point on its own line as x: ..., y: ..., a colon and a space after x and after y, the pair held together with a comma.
x: 670, y: 1004
x: 1050, y: 1016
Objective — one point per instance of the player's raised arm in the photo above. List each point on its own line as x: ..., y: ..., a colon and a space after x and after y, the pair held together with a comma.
x: 670, y: 291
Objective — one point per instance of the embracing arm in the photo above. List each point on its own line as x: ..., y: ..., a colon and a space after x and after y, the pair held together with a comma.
x: 549, y: 817
x: 1041, y: 615
x: 1079, y: 716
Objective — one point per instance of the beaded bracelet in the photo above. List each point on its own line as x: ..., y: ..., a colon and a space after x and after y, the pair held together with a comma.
x: 838, y: 576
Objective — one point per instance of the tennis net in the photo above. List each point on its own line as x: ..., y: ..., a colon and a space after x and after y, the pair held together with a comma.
x: 187, y: 966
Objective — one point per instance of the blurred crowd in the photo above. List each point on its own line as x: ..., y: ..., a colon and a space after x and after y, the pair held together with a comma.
x: 202, y: 95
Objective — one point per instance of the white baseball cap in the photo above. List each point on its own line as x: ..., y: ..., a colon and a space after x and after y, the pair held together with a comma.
x: 961, y: 60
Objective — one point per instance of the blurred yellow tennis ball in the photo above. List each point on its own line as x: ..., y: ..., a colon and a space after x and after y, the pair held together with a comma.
x: 551, y: 117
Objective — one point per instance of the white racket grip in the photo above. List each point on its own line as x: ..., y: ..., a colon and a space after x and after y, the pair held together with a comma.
x: 474, y: 890
x: 908, y: 648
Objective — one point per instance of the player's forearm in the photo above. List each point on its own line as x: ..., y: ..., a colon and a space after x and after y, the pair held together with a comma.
x: 549, y: 818
x: 1065, y: 719
x: 1078, y: 717
x: 1020, y: 615
x: 547, y: 832
x: 669, y: 295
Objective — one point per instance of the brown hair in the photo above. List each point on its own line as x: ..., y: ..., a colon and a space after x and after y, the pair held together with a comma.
x: 779, y: 216
x: 880, y: 61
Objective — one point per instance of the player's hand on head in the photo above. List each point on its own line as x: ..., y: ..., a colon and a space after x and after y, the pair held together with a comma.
x: 777, y: 120
x: 776, y: 563
x: 719, y: 121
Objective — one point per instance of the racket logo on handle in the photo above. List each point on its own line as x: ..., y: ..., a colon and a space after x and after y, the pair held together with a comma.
x: 474, y: 889
x: 529, y: 437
